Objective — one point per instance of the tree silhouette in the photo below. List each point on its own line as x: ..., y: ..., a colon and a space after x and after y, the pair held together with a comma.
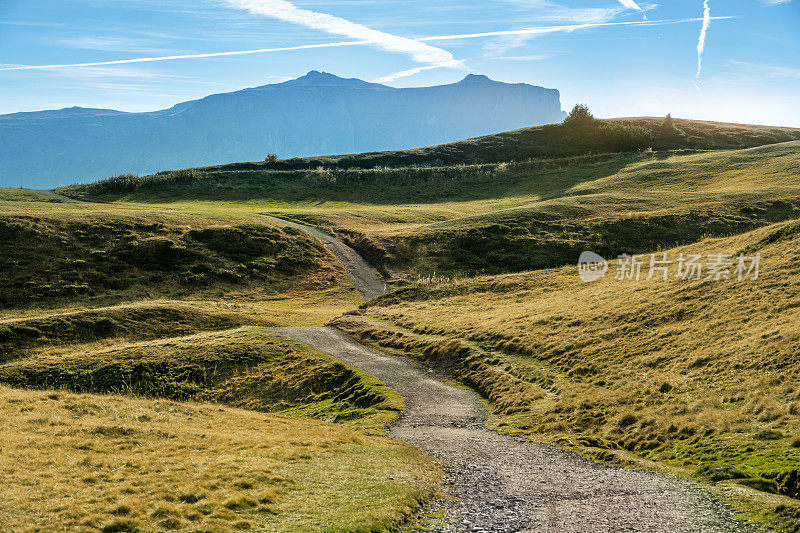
x: 580, y: 116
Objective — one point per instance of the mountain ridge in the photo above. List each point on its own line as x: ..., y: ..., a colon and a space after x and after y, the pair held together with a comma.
x: 316, y: 114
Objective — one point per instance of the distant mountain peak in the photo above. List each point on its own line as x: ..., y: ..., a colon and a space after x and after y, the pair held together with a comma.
x: 315, y: 78
x: 317, y: 75
x: 477, y: 78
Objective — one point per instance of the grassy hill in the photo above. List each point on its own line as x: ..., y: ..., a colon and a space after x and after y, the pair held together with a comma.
x: 156, y: 309
x: 701, y: 375
x: 100, y: 256
x: 556, y: 141
x: 507, y: 217
x: 542, y: 142
x: 243, y: 367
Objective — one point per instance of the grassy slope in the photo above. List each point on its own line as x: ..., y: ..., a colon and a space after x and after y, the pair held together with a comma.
x: 246, y: 367
x: 89, y: 463
x: 537, y: 142
x: 94, y: 255
x: 514, y: 216
x: 492, y: 216
x: 155, y: 308
x: 701, y: 375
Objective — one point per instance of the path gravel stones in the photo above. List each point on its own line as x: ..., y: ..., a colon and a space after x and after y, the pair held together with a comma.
x: 502, y: 484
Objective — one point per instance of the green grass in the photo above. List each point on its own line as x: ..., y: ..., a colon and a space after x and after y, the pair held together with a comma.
x: 126, y: 323
x: 509, y: 216
x: 146, y: 306
x: 696, y: 376
x: 106, y: 257
x: 18, y: 195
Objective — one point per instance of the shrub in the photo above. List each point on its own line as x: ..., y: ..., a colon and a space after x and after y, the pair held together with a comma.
x: 271, y: 158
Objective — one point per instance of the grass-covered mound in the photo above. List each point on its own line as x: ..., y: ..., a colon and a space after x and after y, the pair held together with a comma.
x: 507, y: 217
x: 528, y: 216
x: 249, y: 368
x: 283, y: 177
x: 94, y: 256
x: 701, y: 375
x: 83, y: 462
x: 124, y: 323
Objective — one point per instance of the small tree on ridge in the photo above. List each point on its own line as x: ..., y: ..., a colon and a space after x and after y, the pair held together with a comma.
x: 580, y: 116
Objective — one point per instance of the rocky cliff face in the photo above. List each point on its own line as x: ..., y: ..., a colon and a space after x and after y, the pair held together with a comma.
x: 316, y: 114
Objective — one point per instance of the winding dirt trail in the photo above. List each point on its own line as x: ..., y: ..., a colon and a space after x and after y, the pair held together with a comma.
x: 364, y: 277
x: 511, y: 485
x: 503, y: 484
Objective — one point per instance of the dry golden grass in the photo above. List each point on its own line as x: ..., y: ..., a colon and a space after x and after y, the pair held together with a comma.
x: 88, y: 463
x: 698, y: 374
x: 248, y: 367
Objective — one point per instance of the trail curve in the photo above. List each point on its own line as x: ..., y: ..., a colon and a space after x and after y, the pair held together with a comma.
x: 365, y: 278
x: 512, y: 485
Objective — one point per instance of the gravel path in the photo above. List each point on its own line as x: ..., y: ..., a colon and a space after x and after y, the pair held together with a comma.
x: 503, y: 484
x: 364, y: 277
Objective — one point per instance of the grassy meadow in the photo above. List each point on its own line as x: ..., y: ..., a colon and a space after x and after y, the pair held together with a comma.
x: 136, y: 343
x: 246, y: 367
x: 149, y: 311
x: 509, y: 216
x: 82, y: 462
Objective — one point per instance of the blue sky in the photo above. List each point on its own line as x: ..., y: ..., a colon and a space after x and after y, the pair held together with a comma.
x: 621, y: 57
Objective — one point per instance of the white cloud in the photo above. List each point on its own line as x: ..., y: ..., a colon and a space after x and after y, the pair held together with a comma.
x: 288, y: 12
x: 405, y: 73
x: 630, y: 4
x: 701, y: 42
x: 547, y: 11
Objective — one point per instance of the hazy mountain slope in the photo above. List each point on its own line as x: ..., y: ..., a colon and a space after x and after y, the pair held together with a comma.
x: 316, y: 114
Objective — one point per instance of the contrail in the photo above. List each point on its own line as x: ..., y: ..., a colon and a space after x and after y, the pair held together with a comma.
x: 567, y: 28
x: 405, y: 73
x: 701, y: 43
x: 288, y: 12
x: 524, y: 31
x: 187, y: 56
